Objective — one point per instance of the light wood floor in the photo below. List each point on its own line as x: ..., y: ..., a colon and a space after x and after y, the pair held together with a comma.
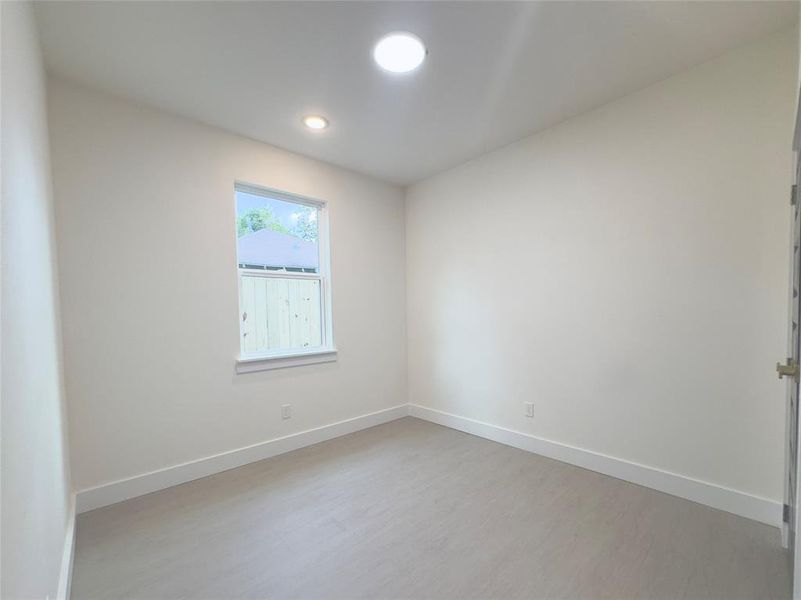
x: 414, y: 510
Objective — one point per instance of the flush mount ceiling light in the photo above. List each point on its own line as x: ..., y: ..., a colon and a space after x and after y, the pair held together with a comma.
x: 315, y: 122
x: 399, y: 52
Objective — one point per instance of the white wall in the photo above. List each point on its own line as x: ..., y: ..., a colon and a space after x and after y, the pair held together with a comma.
x: 147, y: 251
x: 35, y: 474
x: 626, y: 271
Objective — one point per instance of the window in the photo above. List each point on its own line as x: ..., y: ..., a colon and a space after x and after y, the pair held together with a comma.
x: 282, y: 259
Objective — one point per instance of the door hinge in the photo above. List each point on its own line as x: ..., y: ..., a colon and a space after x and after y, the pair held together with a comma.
x: 786, y: 513
x: 793, y: 194
x: 789, y: 370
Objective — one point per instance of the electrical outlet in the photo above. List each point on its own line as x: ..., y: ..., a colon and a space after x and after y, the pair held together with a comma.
x: 529, y: 409
x: 286, y: 411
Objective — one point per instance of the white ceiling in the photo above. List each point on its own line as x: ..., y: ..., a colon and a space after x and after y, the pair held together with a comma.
x: 496, y: 71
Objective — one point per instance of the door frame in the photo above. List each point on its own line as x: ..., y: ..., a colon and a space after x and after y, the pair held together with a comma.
x: 792, y: 537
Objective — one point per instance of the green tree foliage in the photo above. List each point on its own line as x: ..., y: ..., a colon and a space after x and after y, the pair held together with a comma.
x: 259, y: 218
x: 256, y: 219
x: 306, y: 225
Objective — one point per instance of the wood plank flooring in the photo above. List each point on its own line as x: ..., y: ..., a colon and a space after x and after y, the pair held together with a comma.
x: 414, y: 510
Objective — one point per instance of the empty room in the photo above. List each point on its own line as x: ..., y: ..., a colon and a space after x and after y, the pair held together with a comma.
x: 399, y: 300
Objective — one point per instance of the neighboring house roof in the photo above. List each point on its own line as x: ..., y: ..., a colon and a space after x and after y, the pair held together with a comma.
x: 270, y: 248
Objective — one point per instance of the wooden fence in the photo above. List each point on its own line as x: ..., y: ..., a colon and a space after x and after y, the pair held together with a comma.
x: 279, y: 313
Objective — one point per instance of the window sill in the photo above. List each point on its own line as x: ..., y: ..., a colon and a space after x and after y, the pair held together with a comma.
x: 267, y: 362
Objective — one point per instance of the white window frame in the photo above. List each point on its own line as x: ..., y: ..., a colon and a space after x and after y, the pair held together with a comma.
x: 277, y: 359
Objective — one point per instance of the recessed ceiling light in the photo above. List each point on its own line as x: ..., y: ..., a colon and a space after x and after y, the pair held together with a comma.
x: 399, y: 52
x: 315, y: 122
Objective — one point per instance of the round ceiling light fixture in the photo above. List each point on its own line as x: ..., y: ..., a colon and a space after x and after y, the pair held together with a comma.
x: 315, y: 122
x: 399, y: 52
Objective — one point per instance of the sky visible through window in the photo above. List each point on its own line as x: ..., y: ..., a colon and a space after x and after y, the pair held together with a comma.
x: 283, y: 211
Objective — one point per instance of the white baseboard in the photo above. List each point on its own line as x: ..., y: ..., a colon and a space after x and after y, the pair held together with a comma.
x: 124, y: 489
x: 716, y: 496
x: 722, y: 498
x: 65, y: 575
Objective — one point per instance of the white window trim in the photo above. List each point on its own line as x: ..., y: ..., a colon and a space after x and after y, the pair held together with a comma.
x: 279, y: 359
x: 265, y: 362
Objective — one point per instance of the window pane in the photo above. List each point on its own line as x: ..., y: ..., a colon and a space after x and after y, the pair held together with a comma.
x: 279, y: 313
x: 275, y: 234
